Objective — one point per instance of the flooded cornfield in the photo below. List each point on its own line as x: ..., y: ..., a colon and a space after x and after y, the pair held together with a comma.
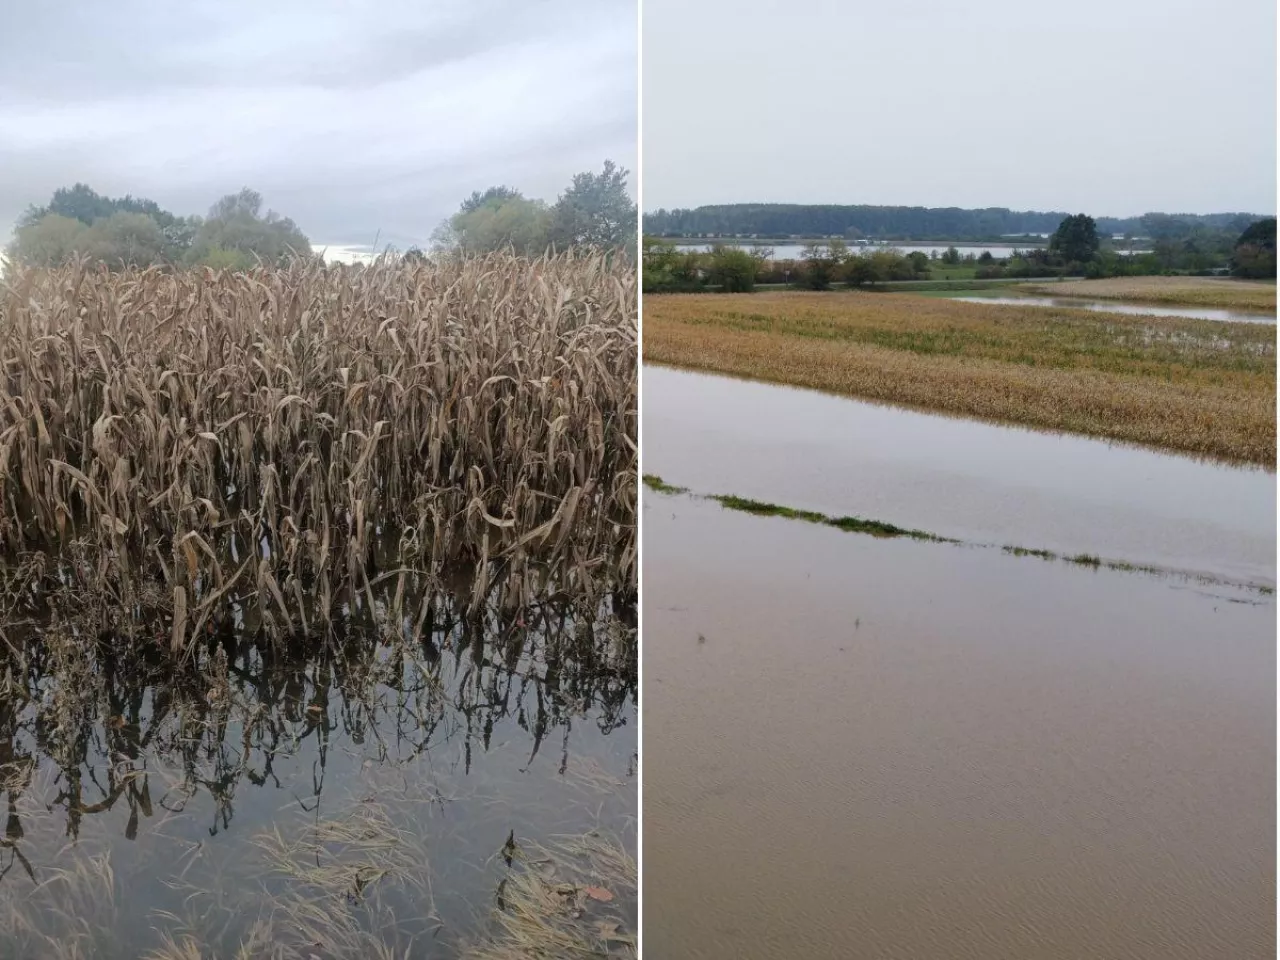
x: 899, y: 748
x: 317, y: 593
x: 1132, y: 309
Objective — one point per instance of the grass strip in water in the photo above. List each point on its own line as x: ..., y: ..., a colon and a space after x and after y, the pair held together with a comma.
x: 881, y: 529
x: 654, y: 482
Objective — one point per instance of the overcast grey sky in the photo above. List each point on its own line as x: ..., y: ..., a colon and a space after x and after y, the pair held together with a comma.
x: 1114, y: 107
x: 351, y: 117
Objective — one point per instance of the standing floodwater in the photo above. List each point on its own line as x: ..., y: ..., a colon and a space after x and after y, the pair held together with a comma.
x: 903, y: 750
x: 959, y: 478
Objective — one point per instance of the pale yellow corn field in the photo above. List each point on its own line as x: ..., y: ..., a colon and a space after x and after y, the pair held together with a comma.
x: 299, y: 436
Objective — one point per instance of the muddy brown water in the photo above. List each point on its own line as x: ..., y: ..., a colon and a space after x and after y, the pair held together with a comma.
x: 958, y: 478
x: 858, y: 748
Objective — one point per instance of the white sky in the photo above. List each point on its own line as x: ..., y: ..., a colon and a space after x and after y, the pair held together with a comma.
x: 1112, y: 107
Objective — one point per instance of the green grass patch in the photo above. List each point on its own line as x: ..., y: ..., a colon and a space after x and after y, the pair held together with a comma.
x: 655, y: 482
x: 1027, y: 552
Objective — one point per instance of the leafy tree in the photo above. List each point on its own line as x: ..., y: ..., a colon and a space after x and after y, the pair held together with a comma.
x: 492, y: 196
x: 919, y: 263
x: 862, y: 270
x: 126, y: 239
x: 595, y: 211
x: 1076, y: 239
x: 1254, y: 254
x: 667, y: 267
x: 822, y: 263
x: 236, y: 222
x: 733, y: 269
x: 49, y: 240
x: 503, y: 219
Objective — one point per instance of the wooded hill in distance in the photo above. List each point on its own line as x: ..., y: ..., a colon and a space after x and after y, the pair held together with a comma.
x: 778, y: 221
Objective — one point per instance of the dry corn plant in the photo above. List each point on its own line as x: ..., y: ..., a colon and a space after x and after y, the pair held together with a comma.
x: 272, y: 446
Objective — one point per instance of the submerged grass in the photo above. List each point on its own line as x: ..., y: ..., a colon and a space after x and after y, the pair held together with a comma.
x: 875, y: 528
x: 1178, y: 291
x: 1194, y: 386
x: 879, y: 528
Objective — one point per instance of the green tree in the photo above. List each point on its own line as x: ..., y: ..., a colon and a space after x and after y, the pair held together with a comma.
x: 125, y: 240
x: 236, y: 222
x: 1254, y: 254
x: 1076, y: 239
x: 595, y: 211
x: 823, y: 262
x: 862, y: 270
x: 48, y: 241
x: 733, y: 269
x: 502, y: 218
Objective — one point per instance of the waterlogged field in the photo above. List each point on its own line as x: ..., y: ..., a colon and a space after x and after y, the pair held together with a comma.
x: 317, y: 587
x: 1191, y: 291
x: 867, y: 747
x: 1024, y: 491
x: 1193, y: 386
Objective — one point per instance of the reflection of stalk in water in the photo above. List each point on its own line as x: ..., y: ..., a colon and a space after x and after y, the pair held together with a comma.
x: 109, y: 716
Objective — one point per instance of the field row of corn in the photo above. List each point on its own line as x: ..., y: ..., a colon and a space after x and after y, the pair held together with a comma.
x: 282, y: 441
x: 1183, y: 291
x: 1194, y: 386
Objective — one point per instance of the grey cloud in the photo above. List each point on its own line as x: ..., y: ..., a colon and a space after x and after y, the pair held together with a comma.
x: 351, y: 118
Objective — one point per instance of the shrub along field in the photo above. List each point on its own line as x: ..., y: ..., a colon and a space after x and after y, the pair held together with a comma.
x: 1187, y: 291
x: 173, y: 442
x: 1200, y: 387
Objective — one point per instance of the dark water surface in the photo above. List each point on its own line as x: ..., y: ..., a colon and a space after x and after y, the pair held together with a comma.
x: 369, y: 784
x: 858, y: 748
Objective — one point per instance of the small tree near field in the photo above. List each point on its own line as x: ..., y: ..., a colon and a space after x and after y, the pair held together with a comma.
x: 1254, y: 255
x: 1076, y: 239
x: 733, y: 269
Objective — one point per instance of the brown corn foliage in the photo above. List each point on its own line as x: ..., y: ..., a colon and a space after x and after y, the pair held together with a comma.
x: 300, y: 435
x: 1187, y: 291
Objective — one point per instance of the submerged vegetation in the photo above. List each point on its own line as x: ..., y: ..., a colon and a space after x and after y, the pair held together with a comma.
x: 1193, y: 386
x: 269, y: 529
x: 882, y: 529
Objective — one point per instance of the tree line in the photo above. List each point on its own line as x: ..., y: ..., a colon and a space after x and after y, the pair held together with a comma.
x: 593, y: 211
x: 780, y: 221
x: 1075, y: 248
x: 126, y: 231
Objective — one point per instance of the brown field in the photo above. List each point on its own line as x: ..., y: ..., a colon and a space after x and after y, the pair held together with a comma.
x: 1193, y: 386
x: 1186, y: 291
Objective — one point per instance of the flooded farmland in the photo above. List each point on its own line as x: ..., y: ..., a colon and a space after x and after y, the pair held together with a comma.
x: 1133, y: 309
x: 317, y: 603
x: 901, y: 749
x: 959, y: 478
